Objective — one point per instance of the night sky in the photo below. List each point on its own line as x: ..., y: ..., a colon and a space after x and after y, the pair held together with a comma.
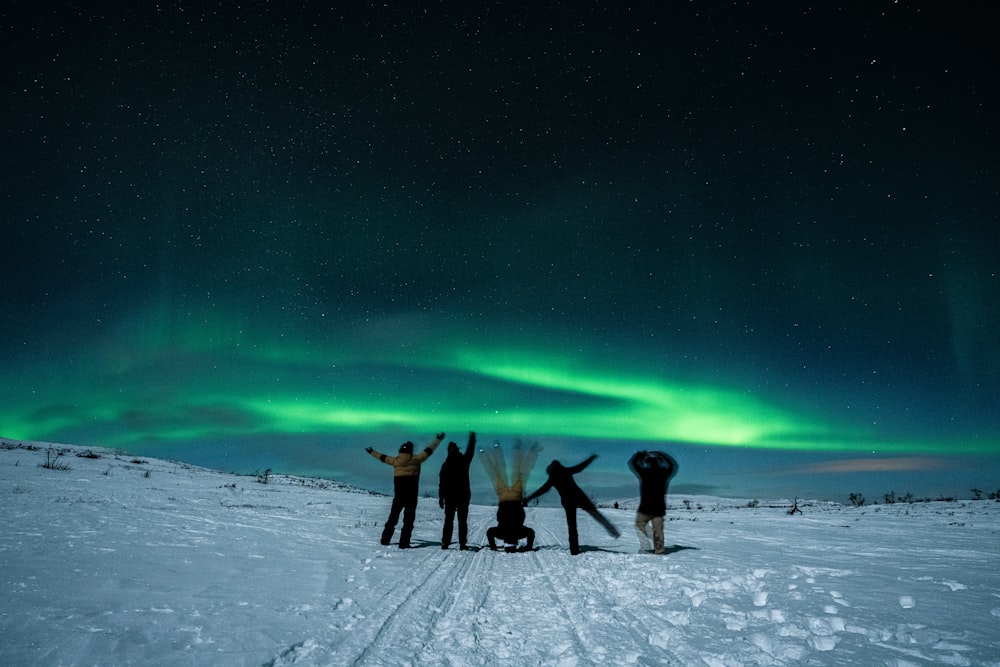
x: 761, y: 236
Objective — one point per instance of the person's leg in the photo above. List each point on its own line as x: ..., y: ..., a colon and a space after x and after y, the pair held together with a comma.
x: 641, y: 523
x: 390, y: 523
x: 530, y: 535
x: 449, y: 523
x: 658, y: 535
x: 409, y: 514
x: 506, y: 534
x: 574, y: 538
x: 491, y: 537
x: 462, y: 509
x: 601, y: 519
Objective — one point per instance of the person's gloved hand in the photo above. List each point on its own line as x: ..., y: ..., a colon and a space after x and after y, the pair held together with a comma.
x: 369, y: 450
x: 440, y: 436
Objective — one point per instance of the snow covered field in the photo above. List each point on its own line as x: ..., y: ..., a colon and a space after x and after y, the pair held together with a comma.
x: 121, y: 561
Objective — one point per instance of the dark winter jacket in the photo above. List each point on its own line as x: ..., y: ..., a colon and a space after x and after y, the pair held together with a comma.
x: 654, y: 470
x: 453, y: 484
x: 561, y: 478
x: 510, y: 515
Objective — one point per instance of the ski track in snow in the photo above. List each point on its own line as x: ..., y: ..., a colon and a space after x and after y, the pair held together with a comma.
x: 118, y: 562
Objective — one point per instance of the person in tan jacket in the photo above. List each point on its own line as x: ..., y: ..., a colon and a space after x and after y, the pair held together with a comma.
x: 406, y: 484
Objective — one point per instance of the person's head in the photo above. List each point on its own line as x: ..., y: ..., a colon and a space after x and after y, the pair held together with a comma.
x: 553, y: 467
x: 658, y: 461
x: 452, y: 448
x: 406, y: 448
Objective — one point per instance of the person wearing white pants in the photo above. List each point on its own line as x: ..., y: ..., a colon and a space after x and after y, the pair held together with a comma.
x: 654, y: 470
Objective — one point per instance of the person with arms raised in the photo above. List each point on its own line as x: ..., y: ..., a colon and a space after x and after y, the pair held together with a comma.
x: 572, y: 497
x: 406, y: 484
x: 455, y: 493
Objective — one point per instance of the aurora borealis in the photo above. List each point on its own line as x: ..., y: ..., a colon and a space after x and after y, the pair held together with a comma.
x: 253, y: 237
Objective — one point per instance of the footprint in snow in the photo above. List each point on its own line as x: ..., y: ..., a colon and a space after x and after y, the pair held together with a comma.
x: 839, y: 599
x: 907, y: 602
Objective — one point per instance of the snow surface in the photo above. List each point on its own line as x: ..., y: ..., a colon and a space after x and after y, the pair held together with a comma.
x: 121, y: 561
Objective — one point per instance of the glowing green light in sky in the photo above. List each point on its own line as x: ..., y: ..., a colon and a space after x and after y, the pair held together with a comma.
x: 196, y: 388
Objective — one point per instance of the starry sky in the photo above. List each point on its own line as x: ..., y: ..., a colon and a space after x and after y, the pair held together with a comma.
x: 760, y: 236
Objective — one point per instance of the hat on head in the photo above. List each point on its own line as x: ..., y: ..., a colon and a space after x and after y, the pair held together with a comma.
x: 406, y: 448
x: 452, y: 447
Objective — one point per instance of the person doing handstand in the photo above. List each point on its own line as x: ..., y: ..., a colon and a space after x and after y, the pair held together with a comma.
x: 510, y: 512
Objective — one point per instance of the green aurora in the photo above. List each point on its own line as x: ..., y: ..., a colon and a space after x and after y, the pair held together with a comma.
x: 196, y: 388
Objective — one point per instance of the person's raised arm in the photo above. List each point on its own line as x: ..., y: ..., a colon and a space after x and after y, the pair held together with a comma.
x: 580, y: 466
x: 673, y: 467
x: 542, y: 490
x: 434, y: 445
x: 429, y: 449
x: 633, y: 462
x: 379, y: 455
x: 666, y: 462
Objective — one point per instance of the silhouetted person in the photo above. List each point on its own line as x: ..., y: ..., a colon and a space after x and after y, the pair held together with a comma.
x: 454, y: 492
x: 654, y: 470
x: 406, y: 484
x: 572, y: 497
x: 510, y: 524
x: 510, y: 512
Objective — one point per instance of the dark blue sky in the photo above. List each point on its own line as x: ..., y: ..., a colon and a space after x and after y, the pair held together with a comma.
x: 762, y: 235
